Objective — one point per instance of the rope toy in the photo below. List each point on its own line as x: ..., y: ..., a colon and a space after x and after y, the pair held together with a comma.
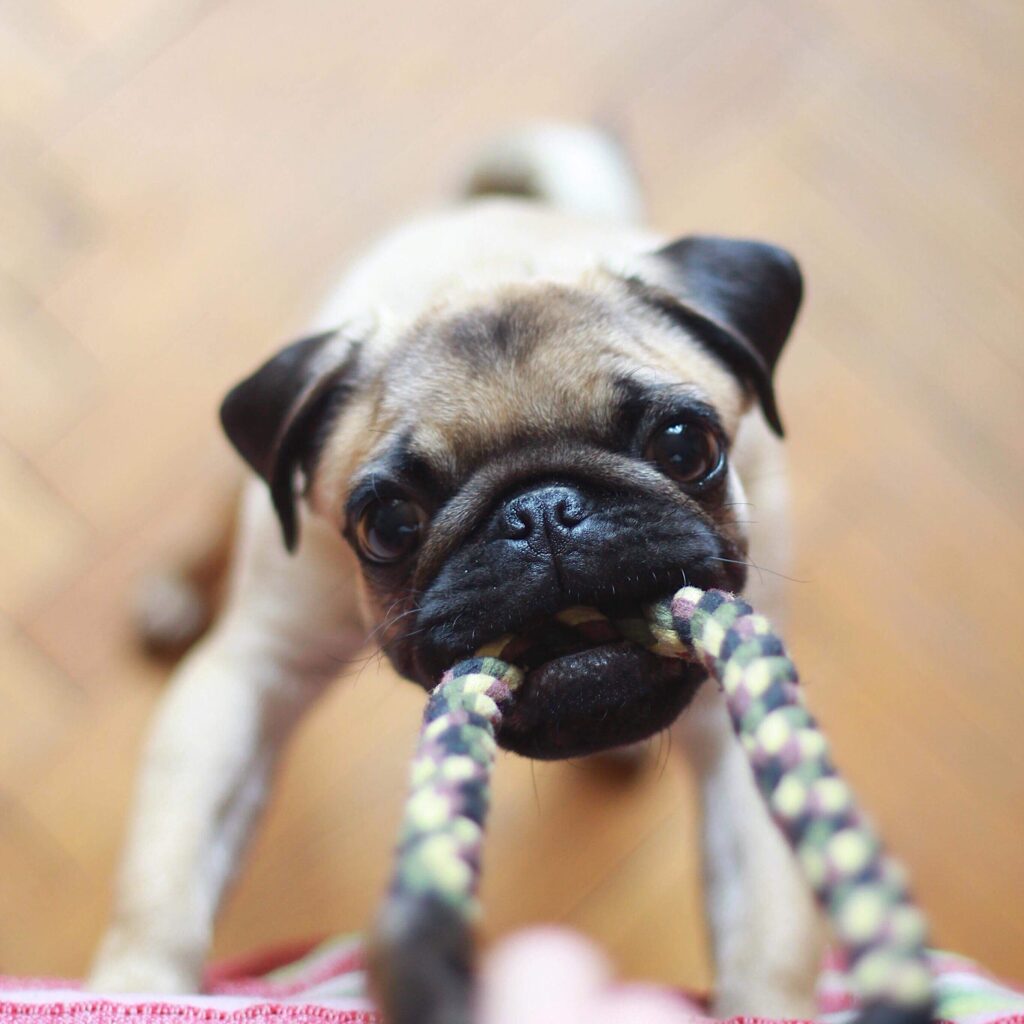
x: 422, y: 953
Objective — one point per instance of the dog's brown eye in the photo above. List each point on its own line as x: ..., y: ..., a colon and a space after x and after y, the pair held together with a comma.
x: 389, y: 529
x: 687, y: 452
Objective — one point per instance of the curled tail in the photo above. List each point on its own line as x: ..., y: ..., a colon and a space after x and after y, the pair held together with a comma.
x: 576, y: 168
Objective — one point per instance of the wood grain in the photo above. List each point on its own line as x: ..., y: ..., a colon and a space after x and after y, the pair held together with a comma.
x: 178, y: 181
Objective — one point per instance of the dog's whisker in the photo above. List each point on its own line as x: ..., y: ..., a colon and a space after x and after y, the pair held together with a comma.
x: 664, y: 751
x: 759, y: 568
x: 390, y: 621
x: 386, y: 626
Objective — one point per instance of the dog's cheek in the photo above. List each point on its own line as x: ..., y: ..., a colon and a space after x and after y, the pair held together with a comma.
x: 369, y: 608
x: 389, y: 613
x: 733, y: 511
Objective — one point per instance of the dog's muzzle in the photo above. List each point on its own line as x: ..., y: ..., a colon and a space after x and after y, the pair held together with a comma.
x: 550, y: 546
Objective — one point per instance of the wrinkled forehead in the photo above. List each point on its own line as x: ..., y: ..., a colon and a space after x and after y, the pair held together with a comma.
x: 530, y: 366
x: 521, y: 370
x: 536, y: 365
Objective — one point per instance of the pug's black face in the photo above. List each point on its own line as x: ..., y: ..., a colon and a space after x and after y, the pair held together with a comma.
x: 553, y: 545
x: 571, y: 523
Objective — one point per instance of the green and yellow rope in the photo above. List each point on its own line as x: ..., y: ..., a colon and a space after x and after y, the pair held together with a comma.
x: 861, y: 888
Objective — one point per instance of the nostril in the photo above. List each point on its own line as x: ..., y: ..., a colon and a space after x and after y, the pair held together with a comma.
x: 542, y: 510
x: 569, y: 513
x: 518, y: 522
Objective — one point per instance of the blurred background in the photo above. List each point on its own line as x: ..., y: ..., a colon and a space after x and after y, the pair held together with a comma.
x: 179, y: 182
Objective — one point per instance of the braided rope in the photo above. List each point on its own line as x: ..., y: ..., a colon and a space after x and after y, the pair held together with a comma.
x: 862, y: 888
x: 442, y: 833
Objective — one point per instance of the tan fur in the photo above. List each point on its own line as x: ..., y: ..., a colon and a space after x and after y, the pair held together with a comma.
x: 290, y: 621
x: 586, y: 336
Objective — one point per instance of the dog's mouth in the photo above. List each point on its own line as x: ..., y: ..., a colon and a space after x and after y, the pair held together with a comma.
x: 583, y: 691
x: 582, y: 694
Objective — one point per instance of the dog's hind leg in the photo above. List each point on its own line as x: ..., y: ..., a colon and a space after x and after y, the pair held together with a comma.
x: 175, y: 602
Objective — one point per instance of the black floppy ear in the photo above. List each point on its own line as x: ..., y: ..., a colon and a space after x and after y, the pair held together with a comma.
x: 741, y: 298
x: 275, y: 417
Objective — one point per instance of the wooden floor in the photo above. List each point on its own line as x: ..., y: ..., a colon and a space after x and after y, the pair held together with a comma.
x: 178, y: 181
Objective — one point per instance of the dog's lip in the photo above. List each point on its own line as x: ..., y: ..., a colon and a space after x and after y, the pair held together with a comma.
x: 536, y: 642
x: 563, y: 646
x: 606, y: 695
x: 548, y: 674
x: 567, y: 655
x: 557, y: 640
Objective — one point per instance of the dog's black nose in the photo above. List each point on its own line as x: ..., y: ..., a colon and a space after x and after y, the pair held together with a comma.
x: 546, y: 514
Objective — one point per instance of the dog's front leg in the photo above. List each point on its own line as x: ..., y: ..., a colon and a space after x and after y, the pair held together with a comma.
x: 290, y: 624
x: 766, y: 934
x: 765, y: 931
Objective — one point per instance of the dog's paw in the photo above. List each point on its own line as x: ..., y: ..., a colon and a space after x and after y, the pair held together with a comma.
x: 142, y: 973
x: 128, y: 962
x: 775, y: 1002
x: 170, y: 613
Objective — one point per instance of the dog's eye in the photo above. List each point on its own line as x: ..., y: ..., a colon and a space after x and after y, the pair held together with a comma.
x: 687, y: 452
x: 389, y: 529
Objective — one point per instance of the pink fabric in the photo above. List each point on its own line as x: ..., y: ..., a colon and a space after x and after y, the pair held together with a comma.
x: 325, y: 984
x: 103, y: 1011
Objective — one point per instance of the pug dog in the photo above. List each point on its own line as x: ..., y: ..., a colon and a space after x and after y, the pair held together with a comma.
x: 519, y: 404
